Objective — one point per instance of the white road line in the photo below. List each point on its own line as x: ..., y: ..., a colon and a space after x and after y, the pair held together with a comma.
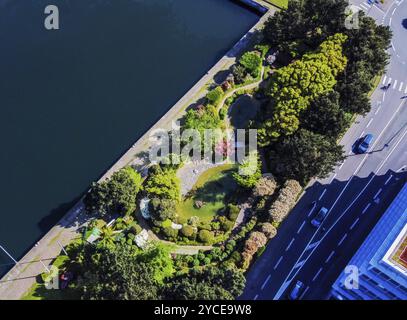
x: 405, y: 91
x: 312, y: 210
x: 290, y: 244
x: 333, y: 178
x: 401, y: 86
x: 286, y: 283
x: 388, y: 179
x: 312, y: 245
x: 255, y: 297
x: 377, y: 193
x: 401, y: 169
x: 300, y: 228
x: 354, y: 224
x: 393, y: 11
x: 330, y: 257
x: 363, y: 133
x: 369, y: 123
x: 390, y: 25
x: 278, y: 262
x: 384, y: 80
x: 365, y: 6
x: 394, y: 84
x: 389, y: 81
x: 317, y: 274
x: 378, y: 109
x: 303, y: 294
x: 384, y: 96
x: 340, y: 167
x: 265, y: 282
x: 366, y: 208
x: 343, y: 239
x: 322, y: 194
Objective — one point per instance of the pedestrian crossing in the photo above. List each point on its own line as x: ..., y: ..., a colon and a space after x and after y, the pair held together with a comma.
x: 394, y: 84
x: 366, y: 6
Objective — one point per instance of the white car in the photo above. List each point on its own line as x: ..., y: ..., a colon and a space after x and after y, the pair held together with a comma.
x: 297, y: 290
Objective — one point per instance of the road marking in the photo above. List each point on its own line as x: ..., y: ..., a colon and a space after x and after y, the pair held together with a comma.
x: 369, y: 123
x: 278, y: 262
x: 402, y: 168
x: 377, y: 193
x: 312, y: 210
x: 393, y: 11
x: 343, y: 239
x: 317, y: 274
x: 395, y: 84
x: 322, y: 194
x: 256, y: 296
x: 384, y: 96
x: 405, y: 91
x: 354, y: 224
x: 401, y: 86
x: 388, y: 179
x: 289, y: 245
x: 391, y: 18
x: 340, y: 167
x: 330, y: 257
x: 303, y: 294
x: 366, y: 208
x: 312, y: 245
x: 300, y: 228
x: 389, y: 81
x: 362, y: 134
x: 384, y: 80
x: 333, y: 178
x: 286, y: 281
x: 378, y: 109
x: 265, y: 282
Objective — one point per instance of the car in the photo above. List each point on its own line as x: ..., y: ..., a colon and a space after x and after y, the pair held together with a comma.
x: 365, y: 143
x: 296, y: 291
x: 320, y: 217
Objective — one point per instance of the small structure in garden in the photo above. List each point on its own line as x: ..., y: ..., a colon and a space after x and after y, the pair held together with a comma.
x: 199, y: 204
x: 141, y: 239
x: 145, y: 212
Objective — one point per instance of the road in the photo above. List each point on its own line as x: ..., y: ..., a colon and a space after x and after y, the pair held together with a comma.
x: 356, y: 193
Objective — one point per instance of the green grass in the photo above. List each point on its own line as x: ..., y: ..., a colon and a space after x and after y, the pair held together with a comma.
x: 279, y: 3
x: 212, y: 188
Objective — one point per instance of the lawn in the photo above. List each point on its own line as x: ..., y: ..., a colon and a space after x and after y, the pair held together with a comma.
x: 279, y: 3
x: 213, y: 187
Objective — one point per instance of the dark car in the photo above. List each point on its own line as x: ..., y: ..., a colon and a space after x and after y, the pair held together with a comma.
x: 296, y: 291
x: 320, y: 217
x: 365, y: 143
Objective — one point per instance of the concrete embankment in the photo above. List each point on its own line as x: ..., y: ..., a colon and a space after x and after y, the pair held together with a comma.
x: 23, y: 275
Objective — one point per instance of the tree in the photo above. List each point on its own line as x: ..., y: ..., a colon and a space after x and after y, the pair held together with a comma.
x: 292, y: 88
x: 188, y: 231
x: 251, y: 61
x: 115, y: 195
x: 162, y: 209
x: 239, y: 73
x: 163, y: 183
x: 116, y: 275
x: 215, y: 96
x: 202, y: 118
x: 325, y: 116
x: 268, y: 230
x: 305, y: 155
x: 265, y: 187
x: 211, y: 283
x: 249, y: 171
x: 206, y: 236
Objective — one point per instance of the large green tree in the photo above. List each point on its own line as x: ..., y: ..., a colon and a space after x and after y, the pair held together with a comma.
x: 114, y: 195
x: 305, y: 155
x: 163, y: 183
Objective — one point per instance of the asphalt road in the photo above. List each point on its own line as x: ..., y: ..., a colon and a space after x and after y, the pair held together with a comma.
x: 356, y: 193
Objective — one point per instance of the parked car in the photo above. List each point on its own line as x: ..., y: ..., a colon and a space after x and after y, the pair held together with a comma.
x: 320, y: 217
x: 365, y: 143
x: 296, y: 290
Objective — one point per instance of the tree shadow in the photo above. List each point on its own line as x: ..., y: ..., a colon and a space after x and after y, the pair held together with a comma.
x: 404, y: 23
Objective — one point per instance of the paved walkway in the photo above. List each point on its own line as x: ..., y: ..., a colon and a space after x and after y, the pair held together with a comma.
x: 23, y: 276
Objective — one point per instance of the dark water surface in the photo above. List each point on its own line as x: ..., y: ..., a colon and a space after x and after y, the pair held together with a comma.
x: 73, y: 100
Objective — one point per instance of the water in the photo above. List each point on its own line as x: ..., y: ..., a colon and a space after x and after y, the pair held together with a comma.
x: 73, y: 100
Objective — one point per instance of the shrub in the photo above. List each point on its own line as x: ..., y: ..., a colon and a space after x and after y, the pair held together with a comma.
x: 236, y: 257
x: 206, y: 236
x: 265, y: 186
x: 285, y: 201
x: 205, y: 225
x: 233, y: 212
x: 188, y: 231
x: 163, y: 183
x: 215, y: 96
x: 269, y: 230
x: 162, y: 209
x: 239, y: 73
x: 249, y: 171
x: 226, y: 224
x: 135, y: 228
x: 206, y: 261
x: 170, y: 233
x: 252, y: 63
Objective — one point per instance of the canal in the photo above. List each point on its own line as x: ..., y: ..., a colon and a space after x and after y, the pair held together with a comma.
x: 73, y: 100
